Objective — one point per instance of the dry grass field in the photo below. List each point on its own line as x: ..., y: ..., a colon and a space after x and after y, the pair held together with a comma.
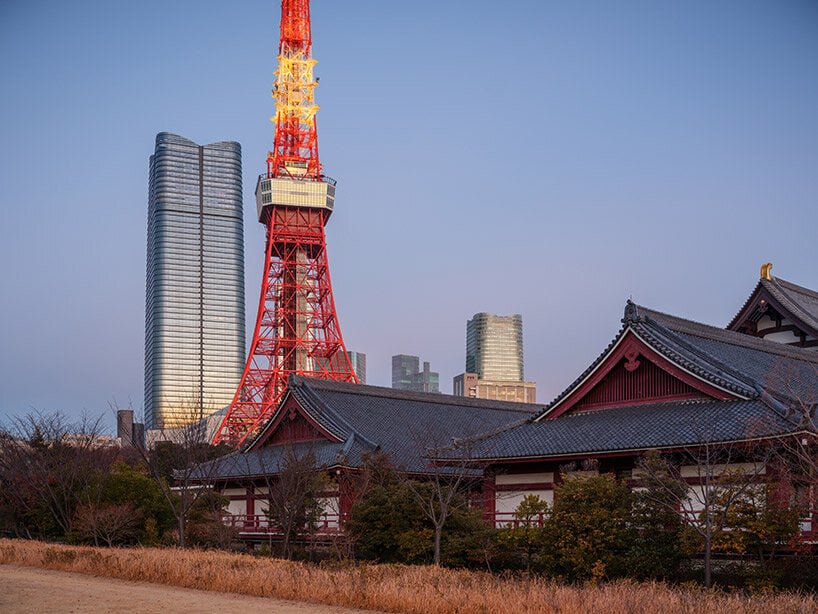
x: 391, y: 588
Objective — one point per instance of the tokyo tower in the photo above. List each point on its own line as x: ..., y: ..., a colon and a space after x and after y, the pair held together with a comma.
x: 297, y: 329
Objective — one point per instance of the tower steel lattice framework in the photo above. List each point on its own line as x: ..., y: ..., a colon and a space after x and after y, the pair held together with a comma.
x: 297, y: 329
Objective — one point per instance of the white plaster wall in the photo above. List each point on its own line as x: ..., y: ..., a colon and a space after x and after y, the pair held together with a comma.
x: 507, y: 501
x: 694, y: 471
x: 694, y: 502
x: 331, y: 506
x: 524, y: 478
x: 237, y: 507
x: 783, y: 337
x: 765, y: 322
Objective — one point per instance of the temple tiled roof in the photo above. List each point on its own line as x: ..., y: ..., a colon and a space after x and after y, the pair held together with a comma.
x: 768, y: 380
x: 765, y: 379
x: 740, y: 364
x: 786, y: 372
x: 402, y: 424
x: 639, y: 427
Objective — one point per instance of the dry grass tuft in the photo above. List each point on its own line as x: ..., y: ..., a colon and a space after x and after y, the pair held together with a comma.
x: 392, y: 588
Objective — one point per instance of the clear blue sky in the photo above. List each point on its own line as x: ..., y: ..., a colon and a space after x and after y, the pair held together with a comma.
x: 547, y: 158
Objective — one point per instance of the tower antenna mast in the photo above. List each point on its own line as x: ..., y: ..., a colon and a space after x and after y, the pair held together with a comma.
x: 296, y: 133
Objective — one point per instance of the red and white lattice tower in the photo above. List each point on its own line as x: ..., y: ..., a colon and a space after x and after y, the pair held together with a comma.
x: 297, y: 328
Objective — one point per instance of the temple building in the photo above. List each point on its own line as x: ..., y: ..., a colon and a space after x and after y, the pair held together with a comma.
x: 339, y: 425
x: 669, y: 384
x: 664, y: 383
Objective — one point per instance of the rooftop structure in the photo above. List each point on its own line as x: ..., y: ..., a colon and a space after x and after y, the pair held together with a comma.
x: 469, y: 385
x: 780, y: 311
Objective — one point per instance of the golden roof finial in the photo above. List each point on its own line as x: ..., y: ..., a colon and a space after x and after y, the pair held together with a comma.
x: 766, y: 269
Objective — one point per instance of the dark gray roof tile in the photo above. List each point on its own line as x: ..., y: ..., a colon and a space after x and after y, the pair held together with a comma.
x: 639, y: 427
x: 403, y: 424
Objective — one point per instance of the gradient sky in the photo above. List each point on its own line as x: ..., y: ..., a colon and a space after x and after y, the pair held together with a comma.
x: 544, y: 158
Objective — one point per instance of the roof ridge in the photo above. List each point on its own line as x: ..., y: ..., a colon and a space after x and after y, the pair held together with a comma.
x: 339, y: 426
x: 796, y: 287
x: 743, y: 306
x: 642, y: 406
x: 317, y: 385
x: 721, y: 368
x: 642, y: 308
x: 731, y: 337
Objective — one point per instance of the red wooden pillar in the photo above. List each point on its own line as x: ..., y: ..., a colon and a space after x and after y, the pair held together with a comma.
x: 346, y: 495
x: 250, y: 507
x: 489, y: 497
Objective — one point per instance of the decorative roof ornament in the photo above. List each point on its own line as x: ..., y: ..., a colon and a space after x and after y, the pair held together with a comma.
x: 766, y: 269
x: 631, y: 312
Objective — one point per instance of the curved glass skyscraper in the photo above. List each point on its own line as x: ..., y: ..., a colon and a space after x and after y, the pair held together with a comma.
x: 194, y: 307
x: 494, y: 346
x: 494, y: 360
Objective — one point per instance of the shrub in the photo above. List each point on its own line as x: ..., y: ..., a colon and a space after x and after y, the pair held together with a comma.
x: 388, y: 526
x: 590, y: 529
x: 659, y: 548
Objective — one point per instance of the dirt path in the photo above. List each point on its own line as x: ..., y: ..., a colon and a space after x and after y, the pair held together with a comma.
x: 30, y: 590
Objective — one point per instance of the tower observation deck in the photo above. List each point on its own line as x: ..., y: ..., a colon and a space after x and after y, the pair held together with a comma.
x: 297, y: 329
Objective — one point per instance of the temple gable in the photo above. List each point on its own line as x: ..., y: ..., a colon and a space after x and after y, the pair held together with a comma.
x: 633, y: 373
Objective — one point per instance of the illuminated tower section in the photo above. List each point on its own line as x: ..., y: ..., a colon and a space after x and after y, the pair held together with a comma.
x: 297, y: 328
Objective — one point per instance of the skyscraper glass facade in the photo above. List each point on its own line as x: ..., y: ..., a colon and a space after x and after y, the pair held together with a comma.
x: 194, y: 307
x: 404, y: 370
x: 358, y: 360
x: 494, y: 347
x: 407, y: 374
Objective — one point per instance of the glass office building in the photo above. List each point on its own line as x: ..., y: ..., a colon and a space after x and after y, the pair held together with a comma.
x: 358, y: 361
x: 194, y: 308
x: 404, y: 370
x: 407, y: 374
x: 494, y: 347
x: 494, y: 360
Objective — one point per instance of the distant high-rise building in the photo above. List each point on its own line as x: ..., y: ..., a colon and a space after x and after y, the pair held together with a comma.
x: 128, y: 432
x: 407, y: 374
x: 494, y: 347
x: 194, y: 307
x: 404, y: 370
x: 427, y: 380
x: 358, y: 360
x: 494, y: 360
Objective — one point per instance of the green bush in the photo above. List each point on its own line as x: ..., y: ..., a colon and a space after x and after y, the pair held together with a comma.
x: 388, y: 526
x: 525, y: 544
x: 658, y: 548
x: 129, y: 502
x: 590, y: 529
